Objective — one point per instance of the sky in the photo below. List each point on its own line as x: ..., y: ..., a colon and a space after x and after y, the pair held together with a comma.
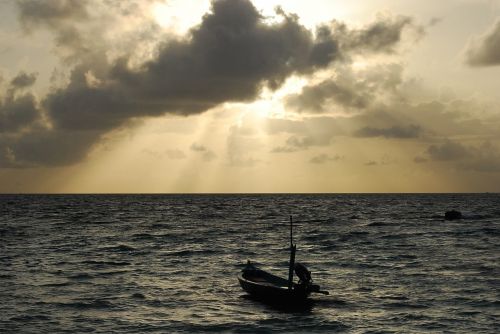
x: 241, y: 96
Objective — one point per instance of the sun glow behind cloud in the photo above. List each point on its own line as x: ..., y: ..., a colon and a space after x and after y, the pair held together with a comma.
x: 310, y: 15
x: 179, y: 16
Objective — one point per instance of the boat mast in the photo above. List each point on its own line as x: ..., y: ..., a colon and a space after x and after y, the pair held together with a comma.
x: 292, y: 257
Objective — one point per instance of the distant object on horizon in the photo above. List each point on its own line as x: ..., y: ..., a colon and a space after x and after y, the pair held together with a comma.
x: 453, y: 215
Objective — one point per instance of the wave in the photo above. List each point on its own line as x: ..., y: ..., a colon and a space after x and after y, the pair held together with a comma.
x: 119, y: 248
x: 107, y: 263
x: 378, y: 224
x: 81, y: 276
x: 191, y: 252
x: 86, y: 305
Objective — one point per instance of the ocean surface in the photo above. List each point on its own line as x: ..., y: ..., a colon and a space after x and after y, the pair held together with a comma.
x: 168, y: 263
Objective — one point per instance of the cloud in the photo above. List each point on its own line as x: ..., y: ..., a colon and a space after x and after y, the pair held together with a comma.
x: 383, y: 35
x: 347, y: 90
x: 434, y: 21
x: 482, y: 158
x: 485, y: 51
x: 41, y: 147
x: 23, y: 80
x: 485, y: 158
x: 52, y: 13
x: 198, y: 148
x: 299, y: 143
x: 447, y: 151
x: 230, y: 56
x: 393, y: 112
x: 172, y: 154
x: 309, y: 130
x: 17, y: 113
x: 207, y: 154
x: 84, y: 29
x: 60, y: 17
x: 318, y: 97
x: 324, y: 158
x: 383, y: 161
x: 401, y: 132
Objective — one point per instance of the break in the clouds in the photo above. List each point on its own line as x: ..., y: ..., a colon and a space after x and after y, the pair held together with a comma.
x: 230, y: 56
x: 485, y: 51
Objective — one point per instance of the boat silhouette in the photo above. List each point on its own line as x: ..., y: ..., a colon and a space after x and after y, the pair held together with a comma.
x: 265, y: 286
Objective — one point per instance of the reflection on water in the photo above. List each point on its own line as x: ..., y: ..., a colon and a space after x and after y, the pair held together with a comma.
x: 155, y: 263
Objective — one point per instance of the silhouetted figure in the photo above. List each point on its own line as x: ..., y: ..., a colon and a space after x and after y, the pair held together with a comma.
x: 302, y: 273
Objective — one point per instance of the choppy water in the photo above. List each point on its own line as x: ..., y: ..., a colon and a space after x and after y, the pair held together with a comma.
x: 164, y: 263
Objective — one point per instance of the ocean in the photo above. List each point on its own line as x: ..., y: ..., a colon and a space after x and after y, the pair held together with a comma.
x: 169, y: 263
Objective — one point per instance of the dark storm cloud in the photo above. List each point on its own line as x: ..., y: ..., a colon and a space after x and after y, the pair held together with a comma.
x: 230, y: 56
x: 16, y: 113
x: 227, y: 58
x: 43, y: 147
x: 401, y: 132
x: 485, y: 51
x: 23, y: 80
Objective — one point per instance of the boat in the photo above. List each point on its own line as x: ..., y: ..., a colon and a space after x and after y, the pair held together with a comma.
x: 268, y: 287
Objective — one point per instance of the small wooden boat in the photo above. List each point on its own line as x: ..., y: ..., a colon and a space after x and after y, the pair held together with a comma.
x: 266, y: 286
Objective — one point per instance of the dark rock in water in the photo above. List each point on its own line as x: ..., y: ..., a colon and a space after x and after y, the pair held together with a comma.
x: 452, y: 215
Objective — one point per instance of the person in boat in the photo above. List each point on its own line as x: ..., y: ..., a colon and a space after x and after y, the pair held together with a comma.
x: 305, y: 280
x: 302, y: 273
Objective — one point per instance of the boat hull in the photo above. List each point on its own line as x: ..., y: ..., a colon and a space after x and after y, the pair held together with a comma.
x: 271, y: 288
